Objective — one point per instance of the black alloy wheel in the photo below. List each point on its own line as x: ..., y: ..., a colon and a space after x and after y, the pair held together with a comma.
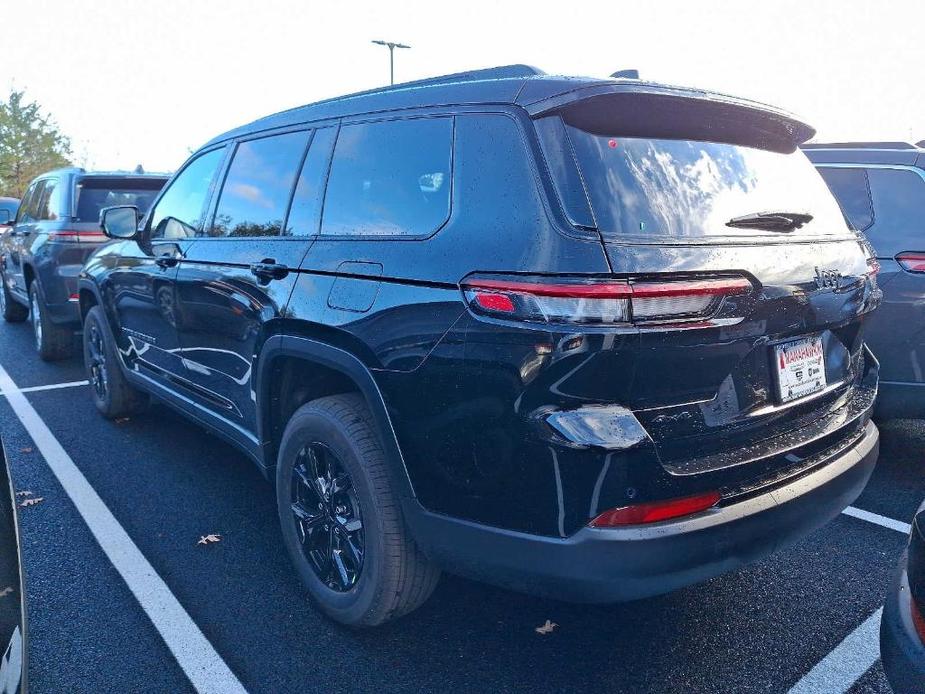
x: 326, y: 512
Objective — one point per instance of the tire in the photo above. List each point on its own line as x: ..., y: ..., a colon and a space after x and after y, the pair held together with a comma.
x: 112, y: 394
x: 394, y: 577
x: 52, y: 342
x: 12, y: 310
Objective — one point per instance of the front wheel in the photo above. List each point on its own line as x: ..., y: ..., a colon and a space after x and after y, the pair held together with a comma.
x: 112, y: 394
x: 13, y: 311
x: 341, y: 520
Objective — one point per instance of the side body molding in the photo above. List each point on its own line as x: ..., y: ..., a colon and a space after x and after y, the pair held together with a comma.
x: 325, y: 355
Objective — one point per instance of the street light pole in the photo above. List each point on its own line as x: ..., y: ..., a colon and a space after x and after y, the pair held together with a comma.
x: 391, y: 45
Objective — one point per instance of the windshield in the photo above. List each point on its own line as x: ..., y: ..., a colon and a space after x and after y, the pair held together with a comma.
x: 94, y: 195
x: 688, y: 189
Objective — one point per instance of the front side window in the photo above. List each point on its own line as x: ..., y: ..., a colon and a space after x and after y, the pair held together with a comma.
x: 178, y: 214
x: 256, y: 191
x: 849, y: 186
x: 390, y: 178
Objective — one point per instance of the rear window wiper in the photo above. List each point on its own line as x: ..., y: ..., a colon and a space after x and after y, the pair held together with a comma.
x: 770, y: 221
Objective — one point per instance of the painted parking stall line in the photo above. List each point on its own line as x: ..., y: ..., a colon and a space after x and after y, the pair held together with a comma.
x: 206, y: 670
x: 847, y: 663
x: 876, y: 518
x: 52, y: 386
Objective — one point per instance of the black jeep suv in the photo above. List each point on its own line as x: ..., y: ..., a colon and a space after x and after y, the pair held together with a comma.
x: 593, y: 339
x: 55, y: 230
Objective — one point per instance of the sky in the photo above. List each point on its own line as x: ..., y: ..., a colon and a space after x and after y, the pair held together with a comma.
x: 134, y: 82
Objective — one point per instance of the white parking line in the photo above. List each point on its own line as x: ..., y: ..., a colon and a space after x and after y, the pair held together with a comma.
x: 847, y: 663
x: 896, y: 525
x: 53, y: 386
x: 202, y: 664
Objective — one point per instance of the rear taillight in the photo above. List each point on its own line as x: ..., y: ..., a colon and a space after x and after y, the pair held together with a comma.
x: 912, y: 261
x: 655, y: 511
x: 600, y: 301
x: 918, y: 620
x: 78, y: 236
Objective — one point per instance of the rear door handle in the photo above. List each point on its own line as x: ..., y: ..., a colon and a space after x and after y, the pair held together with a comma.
x: 268, y: 270
x: 166, y: 261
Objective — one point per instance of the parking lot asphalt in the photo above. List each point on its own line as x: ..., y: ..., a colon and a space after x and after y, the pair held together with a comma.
x: 168, y: 483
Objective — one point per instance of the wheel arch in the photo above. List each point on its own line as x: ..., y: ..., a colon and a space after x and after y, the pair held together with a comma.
x: 335, y: 371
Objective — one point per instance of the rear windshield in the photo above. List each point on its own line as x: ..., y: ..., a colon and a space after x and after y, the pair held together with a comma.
x: 682, y: 189
x: 94, y: 194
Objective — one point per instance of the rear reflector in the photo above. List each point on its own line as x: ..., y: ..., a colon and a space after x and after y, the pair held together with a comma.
x: 78, y: 236
x: 912, y: 261
x: 655, y: 511
x: 600, y: 301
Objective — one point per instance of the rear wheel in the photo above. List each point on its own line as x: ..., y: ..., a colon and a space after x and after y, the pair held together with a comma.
x: 52, y: 342
x: 112, y: 394
x: 12, y: 310
x: 341, y: 520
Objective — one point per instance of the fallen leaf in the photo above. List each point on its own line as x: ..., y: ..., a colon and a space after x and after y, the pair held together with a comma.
x: 6, y: 591
x: 547, y: 628
x: 208, y: 539
x: 24, y: 492
x: 33, y: 501
x: 27, y: 449
x: 121, y: 420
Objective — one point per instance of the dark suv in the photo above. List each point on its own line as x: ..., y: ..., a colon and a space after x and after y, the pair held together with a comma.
x: 56, y: 228
x: 881, y: 189
x: 593, y: 339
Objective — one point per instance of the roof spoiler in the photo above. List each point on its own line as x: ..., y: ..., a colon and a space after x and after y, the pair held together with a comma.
x: 658, y: 111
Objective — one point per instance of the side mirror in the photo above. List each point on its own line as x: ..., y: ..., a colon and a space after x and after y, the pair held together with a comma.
x: 120, y: 222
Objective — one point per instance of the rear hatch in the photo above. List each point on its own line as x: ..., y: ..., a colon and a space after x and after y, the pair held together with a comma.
x: 682, y: 186
x: 94, y: 193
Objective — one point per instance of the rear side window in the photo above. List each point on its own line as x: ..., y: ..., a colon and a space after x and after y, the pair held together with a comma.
x: 30, y: 201
x: 899, y: 207
x: 256, y: 191
x: 390, y: 178
x: 95, y: 193
x: 178, y: 214
x: 686, y: 189
x: 849, y: 186
x: 305, y: 213
x: 50, y: 202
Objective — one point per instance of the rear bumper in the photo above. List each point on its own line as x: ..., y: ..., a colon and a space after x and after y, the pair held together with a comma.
x: 901, y: 649
x: 611, y: 565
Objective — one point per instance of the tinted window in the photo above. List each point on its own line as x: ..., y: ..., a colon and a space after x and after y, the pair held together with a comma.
x: 849, y: 186
x: 688, y: 188
x: 93, y: 194
x: 899, y: 210
x: 10, y: 206
x: 27, y: 210
x: 390, y: 178
x: 49, y: 204
x: 178, y: 213
x: 305, y: 214
x: 257, y: 188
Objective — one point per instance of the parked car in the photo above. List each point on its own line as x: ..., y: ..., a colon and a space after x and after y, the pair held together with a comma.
x: 56, y: 228
x: 881, y: 189
x: 562, y: 335
x: 902, y: 629
x: 13, y: 640
x: 8, y: 207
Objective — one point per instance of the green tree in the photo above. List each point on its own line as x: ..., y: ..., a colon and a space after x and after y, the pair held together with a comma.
x: 30, y: 144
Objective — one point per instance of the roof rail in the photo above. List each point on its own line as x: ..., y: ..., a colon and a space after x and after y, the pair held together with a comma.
x: 488, y: 73
x: 859, y: 145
